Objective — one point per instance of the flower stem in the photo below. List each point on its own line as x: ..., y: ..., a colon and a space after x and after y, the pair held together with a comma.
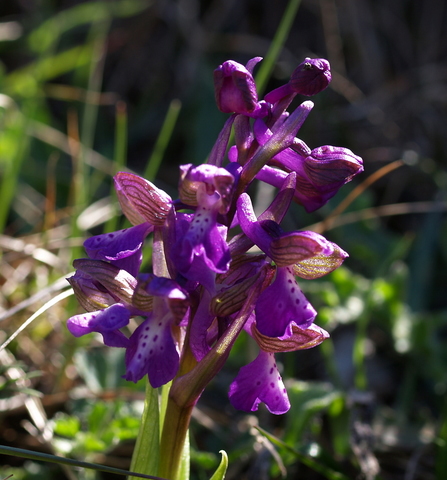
x: 146, y: 453
x: 175, y: 431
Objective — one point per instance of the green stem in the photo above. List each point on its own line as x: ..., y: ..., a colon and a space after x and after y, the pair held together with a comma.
x: 175, y: 431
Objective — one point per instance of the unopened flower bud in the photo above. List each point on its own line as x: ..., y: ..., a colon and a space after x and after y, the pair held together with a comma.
x: 235, y: 90
x: 329, y: 167
x: 311, y: 76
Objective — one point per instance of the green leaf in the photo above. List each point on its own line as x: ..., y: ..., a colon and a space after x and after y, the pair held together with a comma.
x: 96, y: 419
x: 49, y: 32
x: 92, y: 443
x: 306, y: 459
x: 24, y: 81
x: 219, y: 474
x: 67, y: 426
x: 307, y: 399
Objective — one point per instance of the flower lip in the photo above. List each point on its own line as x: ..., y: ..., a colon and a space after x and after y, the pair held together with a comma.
x: 283, y: 301
x: 257, y: 382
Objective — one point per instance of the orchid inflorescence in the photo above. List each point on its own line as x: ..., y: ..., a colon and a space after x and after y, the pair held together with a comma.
x: 208, y: 283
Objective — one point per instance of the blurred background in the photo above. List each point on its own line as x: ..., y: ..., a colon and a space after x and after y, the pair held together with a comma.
x: 88, y: 88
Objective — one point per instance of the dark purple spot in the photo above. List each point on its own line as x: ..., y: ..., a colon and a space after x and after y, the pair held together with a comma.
x: 272, y: 385
x: 289, y: 281
x: 139, y: 356
x: 271, y: 370
x: 145, y: 336
x: 292, y: 290
x: 297, y: 301
x: 143, y: 344
x: 111, y: 235
x: 258, y: 383
x: 155, y: 338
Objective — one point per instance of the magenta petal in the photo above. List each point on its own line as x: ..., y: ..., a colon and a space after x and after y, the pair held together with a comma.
x: 282, y: 304
x: 252, y: 63
x: 107, y: 322
x: 152, y: 351
x: 279, y: 93
x: 250, y: 225
x: 122, y: 248
x: 257, y: 382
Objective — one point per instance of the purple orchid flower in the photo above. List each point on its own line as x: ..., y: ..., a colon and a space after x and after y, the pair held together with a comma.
x: 104, y: 283
x: 283, y: 305
x: 260, y: 381
x: 320, y: 172
x: 152, y: 349
x: 201, y: 245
